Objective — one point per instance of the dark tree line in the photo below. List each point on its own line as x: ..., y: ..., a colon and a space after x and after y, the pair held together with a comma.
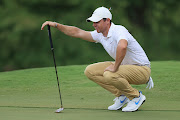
x: 154, y: 23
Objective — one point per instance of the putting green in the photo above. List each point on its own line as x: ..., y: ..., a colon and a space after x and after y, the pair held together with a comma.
x: 33, y: 94
x: 83, y: 114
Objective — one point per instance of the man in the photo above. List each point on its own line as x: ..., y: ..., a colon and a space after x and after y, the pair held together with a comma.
x: 131, y: 65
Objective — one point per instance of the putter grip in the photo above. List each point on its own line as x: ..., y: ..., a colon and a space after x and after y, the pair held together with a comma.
x: 50, y: 38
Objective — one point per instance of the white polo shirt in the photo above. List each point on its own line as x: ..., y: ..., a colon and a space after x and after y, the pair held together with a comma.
x: 135, y: 55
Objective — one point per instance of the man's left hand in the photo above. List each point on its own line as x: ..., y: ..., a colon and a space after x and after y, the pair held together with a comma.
x: 110, y: 68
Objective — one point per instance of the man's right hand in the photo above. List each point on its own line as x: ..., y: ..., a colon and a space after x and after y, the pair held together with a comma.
x: 52, y: 24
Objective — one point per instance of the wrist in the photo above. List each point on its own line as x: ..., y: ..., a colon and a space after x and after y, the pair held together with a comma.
x: 116, y: 66
x: 56, y: 24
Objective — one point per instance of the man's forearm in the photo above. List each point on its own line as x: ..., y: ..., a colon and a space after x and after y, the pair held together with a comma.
x: 119, y: 58
x: 120, y: 53
x: 68, y: 30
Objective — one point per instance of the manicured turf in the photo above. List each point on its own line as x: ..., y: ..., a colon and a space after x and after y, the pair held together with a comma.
x: 32, y: 94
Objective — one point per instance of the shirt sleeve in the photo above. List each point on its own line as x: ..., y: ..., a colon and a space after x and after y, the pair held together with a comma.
x: 95, y: 37
x: 122, y: 34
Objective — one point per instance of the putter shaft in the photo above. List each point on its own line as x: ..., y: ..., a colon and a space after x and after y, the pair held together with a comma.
x: 52, y: 49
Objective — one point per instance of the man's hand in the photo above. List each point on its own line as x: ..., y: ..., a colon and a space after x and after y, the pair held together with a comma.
x: 111, y: 68
x: 52, y: 24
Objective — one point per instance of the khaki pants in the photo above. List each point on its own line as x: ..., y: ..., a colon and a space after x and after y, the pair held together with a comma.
x: 119, y: 82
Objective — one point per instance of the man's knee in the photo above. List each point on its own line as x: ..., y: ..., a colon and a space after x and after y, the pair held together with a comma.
x: 109, y: 76
x: 88, y: 71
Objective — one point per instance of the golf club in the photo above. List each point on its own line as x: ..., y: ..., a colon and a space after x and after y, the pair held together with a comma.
x: 52, y: 49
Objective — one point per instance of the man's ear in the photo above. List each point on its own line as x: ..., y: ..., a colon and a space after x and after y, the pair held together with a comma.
x: 108, y: 20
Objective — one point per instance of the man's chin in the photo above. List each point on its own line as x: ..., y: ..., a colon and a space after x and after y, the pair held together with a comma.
x: 98, y: 31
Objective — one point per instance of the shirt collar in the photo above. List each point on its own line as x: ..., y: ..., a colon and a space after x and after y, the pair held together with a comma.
x: 110, y: 30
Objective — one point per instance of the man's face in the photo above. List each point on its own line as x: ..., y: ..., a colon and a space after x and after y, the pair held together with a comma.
x: 100, y: 26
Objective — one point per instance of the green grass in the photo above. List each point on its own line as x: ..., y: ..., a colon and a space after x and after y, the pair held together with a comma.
x: 32, y: 94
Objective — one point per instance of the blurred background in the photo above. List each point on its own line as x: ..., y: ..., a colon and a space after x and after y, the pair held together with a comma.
x: 154, y: 23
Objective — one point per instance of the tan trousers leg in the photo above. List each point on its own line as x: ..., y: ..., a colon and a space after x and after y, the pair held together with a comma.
x: 119, y: 82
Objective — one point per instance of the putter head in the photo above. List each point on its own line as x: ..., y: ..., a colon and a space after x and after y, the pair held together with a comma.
x: 59, y: 110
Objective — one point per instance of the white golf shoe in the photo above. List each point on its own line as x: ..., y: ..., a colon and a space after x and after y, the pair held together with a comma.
x: 119, y: 103
x: 135, y: 103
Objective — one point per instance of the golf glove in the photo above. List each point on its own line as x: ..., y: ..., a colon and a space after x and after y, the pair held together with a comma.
x: 150, y: 83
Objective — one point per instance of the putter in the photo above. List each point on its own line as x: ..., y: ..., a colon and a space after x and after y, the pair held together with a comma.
x: 52, y: 49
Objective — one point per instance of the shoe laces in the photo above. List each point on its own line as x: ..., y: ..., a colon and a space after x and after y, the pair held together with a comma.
x: 132, y: 102
x: 116, y: 98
